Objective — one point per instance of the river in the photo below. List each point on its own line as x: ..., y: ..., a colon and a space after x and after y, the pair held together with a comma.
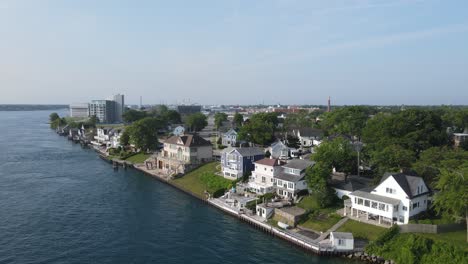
x: 60, y: 203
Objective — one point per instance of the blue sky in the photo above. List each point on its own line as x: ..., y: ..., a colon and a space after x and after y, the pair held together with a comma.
x: 228, y: 52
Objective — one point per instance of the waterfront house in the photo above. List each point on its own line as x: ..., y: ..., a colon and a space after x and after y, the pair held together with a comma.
x: 229, y: 138
x: 237, y: 162
x: 108, y: 137
x: 102, y: 135
x: 279, y: 150
x: 267, y: 209
x: 183, y: 153
x: 261, y: 181
x: 342, y: 241
x: 290, y: 180
x: 396, y: 199
x: 308, y: 137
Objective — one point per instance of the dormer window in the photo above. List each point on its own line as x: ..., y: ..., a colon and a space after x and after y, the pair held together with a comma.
x: 390, y: 190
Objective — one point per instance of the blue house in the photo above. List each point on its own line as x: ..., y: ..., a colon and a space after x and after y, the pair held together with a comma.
x: 235, y: 162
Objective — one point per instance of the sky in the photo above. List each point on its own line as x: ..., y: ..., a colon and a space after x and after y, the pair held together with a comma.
x: 235, y: 51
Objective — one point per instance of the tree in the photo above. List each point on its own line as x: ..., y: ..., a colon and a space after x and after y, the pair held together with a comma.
x: 267, y: 154
x: 433, y: 160
x: 196, y: 122
x: 219, y: 118
x: 348, y: 120
x: 317, y: 180
x: 452, y: 197
x: 238, y: 119
x: 292, y: 141
x: 53, y: 117
x: 144, y: 133
x: 337, y: 153
x: 260, y: 129
x: 132, y: 115
x: 172, y: 117
x: 125, y: 138
x: 392, y: 158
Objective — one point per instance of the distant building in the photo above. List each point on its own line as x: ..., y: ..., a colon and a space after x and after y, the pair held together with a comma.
x: 229, y: 138
x: 104, y: 110
x: 188, y: 109
x: 119, y: 105
x: 459, y: 138
x: 79, y: 110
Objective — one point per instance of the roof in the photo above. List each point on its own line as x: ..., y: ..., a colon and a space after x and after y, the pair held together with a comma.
x: 408, y: 183
x: 289, y: 177
x: 230, y: 131
x: 375, y: 197
x: 342, y: 235
x: 292, y: 210
x: 299, y: 164
x: 188, y: 140
x: 352, y: 183
x: 310, y: 132
x: 245, y: 152
x: 270, y: 162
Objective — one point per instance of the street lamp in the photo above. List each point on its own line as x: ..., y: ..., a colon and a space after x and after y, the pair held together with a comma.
x: 358, y: 147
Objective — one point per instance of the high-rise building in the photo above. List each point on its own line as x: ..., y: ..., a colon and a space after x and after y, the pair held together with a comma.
x: 119, y: 105
x: 79, y: 110
x: 104, y: 110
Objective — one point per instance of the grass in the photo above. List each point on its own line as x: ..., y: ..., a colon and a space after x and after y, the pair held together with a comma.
x: 310, y: 203
x: 319, y: 219
x: 362, y: 230
x: 321, y: 222
x: 138, y: 158
x: 200, y: 179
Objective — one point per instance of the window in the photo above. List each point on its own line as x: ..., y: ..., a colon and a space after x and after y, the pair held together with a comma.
x: 341, y: 242
x: 415, y: 205
x: 263, y: 179
x: 367, y: 203
x: 405, y: 208
x: 395, y: 208
x: 374, y: 205
x: 381, y: 206
x: 360, y: 201
x: 401, y: 219
x: 390, y: 190
x: 290, y: 185
x: 271, y: 169
x: 264, y: 169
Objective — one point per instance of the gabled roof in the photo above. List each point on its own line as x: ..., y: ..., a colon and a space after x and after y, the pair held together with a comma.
x: 289, y: 177
x: 342, y: 235
x: 188, y: 140
x: 245, y: 152
x: 352, y: 183
x: 270, y: 162
x: 408, y: 183
x: 310, y: 132
x: 230, y: 132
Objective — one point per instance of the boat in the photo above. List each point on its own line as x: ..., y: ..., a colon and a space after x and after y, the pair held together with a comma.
x: 283, y: 225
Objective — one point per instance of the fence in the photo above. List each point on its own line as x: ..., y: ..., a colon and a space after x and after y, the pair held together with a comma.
x: 431, y: 229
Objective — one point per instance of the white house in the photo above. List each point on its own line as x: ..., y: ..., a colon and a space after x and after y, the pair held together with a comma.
x: 279, y: 150
x: 308, y: 137
x: 396, y: 199
x: 229, y: 138
x: 342, y: 241
x: 261, y: 181
x: 291, y: 179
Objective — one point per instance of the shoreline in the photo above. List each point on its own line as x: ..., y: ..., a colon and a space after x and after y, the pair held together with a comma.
x: 309, y: 247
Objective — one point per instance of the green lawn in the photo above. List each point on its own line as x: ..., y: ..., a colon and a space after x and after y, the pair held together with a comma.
x: 362, y: 230
x: 320, y: 219
x: 138, y: 158
x: 201, y: 179
x: 321, y: 222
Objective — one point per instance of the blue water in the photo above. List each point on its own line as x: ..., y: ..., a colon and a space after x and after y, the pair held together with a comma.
x: 62, y: 204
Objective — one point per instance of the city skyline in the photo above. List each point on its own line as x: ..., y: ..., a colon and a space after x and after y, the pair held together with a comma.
x: 383, y: 52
